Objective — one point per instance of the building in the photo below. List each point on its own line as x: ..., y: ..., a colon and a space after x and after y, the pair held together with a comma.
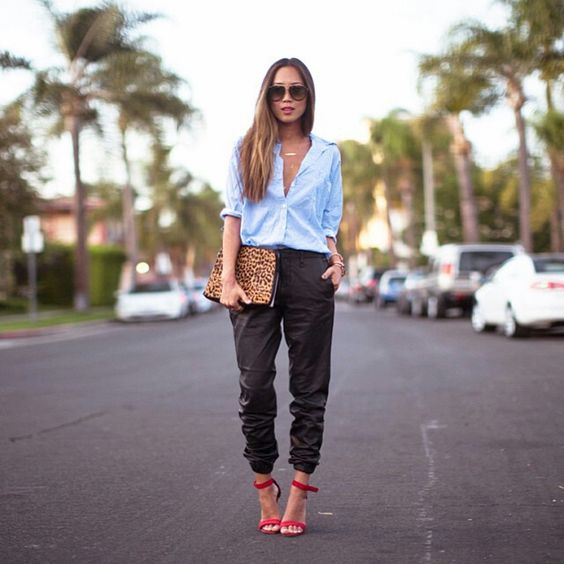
x: 58, y: 223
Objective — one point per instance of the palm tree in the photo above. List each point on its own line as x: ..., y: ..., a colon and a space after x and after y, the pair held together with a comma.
x: 182, y: 220
x: 394, y: 139
x: 501, y: 56
x: 539, y: 25
x: 550, y: 130
x: 456, y: 90
x: 143, y: 93
x: 86, y: 38
x: 10, y: 61
x: 360, y: 176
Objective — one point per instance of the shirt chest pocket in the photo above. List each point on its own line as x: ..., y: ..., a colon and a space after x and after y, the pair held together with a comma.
x: 320, y: 189
x: 309, y: 195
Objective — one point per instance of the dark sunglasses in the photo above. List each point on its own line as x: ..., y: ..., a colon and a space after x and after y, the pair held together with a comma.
x: 297, y: 92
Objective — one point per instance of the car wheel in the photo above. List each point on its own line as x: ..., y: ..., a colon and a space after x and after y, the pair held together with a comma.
x: 435, y: 308
x: 511, y: 327
x: 417, y: 308
x: 402, y: 307
x: 479, y: 323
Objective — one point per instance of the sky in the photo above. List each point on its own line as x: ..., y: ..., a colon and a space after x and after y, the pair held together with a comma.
x: 362, y: 54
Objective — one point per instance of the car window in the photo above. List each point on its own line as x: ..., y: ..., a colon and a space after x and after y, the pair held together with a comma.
x: 481, y: 261
x: 151, y: 287
x: 555, y: 265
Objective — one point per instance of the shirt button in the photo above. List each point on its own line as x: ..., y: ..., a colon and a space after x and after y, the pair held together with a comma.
x: 284, y: 206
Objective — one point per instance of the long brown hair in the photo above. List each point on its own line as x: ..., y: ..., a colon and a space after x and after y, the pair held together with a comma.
x: 257, y: 148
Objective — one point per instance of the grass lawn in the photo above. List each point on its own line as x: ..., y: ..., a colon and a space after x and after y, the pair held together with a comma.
x: 45, y: 319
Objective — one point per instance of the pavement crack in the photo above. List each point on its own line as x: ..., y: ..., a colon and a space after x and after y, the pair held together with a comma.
x: 425, y: 515
x: 58, y: 427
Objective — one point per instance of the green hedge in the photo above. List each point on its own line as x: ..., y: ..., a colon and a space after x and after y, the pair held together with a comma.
x: 55, y: 274
x: 105, y: 270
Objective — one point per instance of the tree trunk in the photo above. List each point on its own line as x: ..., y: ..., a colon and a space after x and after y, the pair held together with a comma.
x: 560, y: 191
x: 557, y: 173
x: 352, y: 228
x: 461, y: 149
x: 406, y: 190
x: 388, y: 197
x: 516, y: 99
x: 555, y: 231
x: 81, y: 286
x: 128, y: 205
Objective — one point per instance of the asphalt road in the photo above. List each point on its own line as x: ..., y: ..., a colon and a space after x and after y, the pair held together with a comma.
x: 121, y: 444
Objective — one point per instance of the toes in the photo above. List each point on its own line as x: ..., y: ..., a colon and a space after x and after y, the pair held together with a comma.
x: 291, y: 529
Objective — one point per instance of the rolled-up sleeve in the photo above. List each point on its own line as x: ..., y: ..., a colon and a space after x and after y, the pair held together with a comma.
x: 233, y: 188
x: 334, y: 209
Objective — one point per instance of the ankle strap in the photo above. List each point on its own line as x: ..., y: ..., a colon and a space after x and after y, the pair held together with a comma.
x: 304, y: 487
x: 263, y: 485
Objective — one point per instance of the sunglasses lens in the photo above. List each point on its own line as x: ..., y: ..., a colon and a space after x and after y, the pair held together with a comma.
x: 276, y: 93
x: 298, y: 92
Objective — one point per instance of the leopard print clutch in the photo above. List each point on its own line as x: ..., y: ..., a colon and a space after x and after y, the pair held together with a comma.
x: 255, y: 272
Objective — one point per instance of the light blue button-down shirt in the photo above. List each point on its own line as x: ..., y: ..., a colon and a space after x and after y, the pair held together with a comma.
x: 306, y: 216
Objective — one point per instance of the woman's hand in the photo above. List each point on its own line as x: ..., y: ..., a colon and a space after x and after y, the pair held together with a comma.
x: 335, y: 273
x: 233, y: 296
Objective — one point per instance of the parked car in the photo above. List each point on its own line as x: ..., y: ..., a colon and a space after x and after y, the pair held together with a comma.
x: 526, y: 293
x: 390, y: 285
x: 456, y: 272
x: 198, y: 303
x: 409, y: 292
x: 365, y: 287
x: 160, y: 299
x: 344, y: 289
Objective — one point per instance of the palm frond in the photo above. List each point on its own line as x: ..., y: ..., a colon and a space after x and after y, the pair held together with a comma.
x: 10, y: 61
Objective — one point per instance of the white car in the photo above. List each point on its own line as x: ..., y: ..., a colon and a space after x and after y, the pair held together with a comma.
x: 526, y: 292
x: 163, y: 299
x: 198, y: 302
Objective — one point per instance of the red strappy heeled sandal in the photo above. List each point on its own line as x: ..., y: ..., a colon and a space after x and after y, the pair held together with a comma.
x: 264, y: 522
x: 306, y: 488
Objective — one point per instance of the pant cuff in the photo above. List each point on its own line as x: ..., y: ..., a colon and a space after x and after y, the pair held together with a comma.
x: 262, y: 467
x: 304, y: 467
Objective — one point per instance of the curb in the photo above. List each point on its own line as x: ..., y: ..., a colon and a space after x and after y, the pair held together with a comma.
x: 53, y: 330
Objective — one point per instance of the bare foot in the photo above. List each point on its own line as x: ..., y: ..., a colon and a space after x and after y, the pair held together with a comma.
x: 269, y: 507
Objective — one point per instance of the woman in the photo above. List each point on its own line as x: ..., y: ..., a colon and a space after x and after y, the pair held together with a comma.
x: 284, y: 192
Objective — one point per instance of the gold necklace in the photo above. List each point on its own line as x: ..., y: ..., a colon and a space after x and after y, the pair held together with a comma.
x: 297, y: 151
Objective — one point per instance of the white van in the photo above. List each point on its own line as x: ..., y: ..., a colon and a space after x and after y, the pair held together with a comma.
x: 456, y: 272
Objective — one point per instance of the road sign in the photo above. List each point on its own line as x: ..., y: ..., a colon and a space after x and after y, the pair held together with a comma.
x: 32, y: 243
x: 32, y: 238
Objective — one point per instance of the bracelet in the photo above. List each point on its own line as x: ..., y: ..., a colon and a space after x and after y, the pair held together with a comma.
x: 340, y: 262
x: 340, y: 257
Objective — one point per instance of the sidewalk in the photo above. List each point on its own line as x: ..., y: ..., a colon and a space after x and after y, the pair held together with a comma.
x: 50, y: 322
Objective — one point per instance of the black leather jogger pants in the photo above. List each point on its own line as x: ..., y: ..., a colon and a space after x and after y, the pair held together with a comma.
x: 303, y: 309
